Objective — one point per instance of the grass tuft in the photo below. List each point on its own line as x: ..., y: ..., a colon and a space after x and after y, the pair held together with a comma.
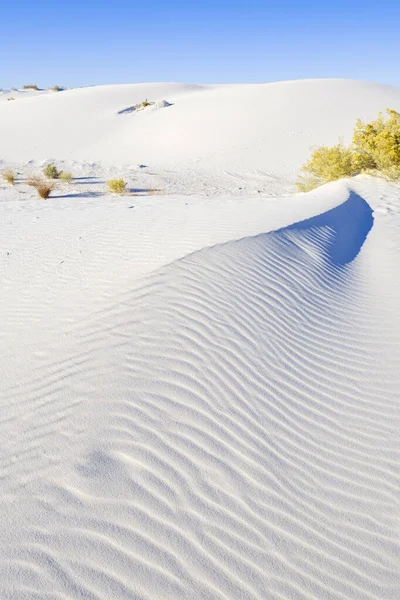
x: 43, y: 187
x: 117, y: 186
x: 66, y: 176
x: 9, y: 176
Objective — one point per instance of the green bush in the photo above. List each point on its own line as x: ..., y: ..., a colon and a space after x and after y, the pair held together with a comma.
x: 375, y: 149
x: 117, y: 186
x: 51, y: 172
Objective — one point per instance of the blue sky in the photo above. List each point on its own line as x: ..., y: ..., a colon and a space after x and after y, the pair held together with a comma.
x: 87, y: 42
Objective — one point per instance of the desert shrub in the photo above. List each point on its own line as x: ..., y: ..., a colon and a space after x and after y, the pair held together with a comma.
x: 31, y: 86
x: 142, y: 105
x: 117, y: 186
x: 51, y: 172
x: 66, y: 176
x: 57, y: 88
x: 326, y: 164
x: 375, y: 149
x: 378, y: 142
x: 42, y: 186
x: 10, y: 99
x: 9, y: 176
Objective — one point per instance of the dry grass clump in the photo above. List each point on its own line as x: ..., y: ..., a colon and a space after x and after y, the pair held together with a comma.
x: 374, y: 150
x: 143, y: 105
x: 31, y: 86
x: 117, y: 186
x: 57, y: 88
x: 43, y: 187
x: 65, y: 176
x: 9, y: 176
x: 10, y: 99
x: 51, y: 172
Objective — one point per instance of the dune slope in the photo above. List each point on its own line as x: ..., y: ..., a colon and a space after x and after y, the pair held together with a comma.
x: 267, y: 129
x: 224, y: 427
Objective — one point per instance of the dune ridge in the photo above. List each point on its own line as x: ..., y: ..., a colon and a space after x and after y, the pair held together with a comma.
x: 225, y: 426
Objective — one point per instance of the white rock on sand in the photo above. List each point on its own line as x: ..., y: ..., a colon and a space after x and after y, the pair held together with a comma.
x: 199, y: 388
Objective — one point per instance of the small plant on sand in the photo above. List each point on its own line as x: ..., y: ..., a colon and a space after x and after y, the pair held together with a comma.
x: 66, y: 176
x: 31, y: 86
x: 42, y: 186
x: 117, y: 186
x: 9, y: 176
x: 375, y: 150
x: 57, y: 88
x: 51, y: 172
x: 143, y: 105
x: 10, y: 99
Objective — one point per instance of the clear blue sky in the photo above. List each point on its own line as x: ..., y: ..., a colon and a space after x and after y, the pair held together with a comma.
x: 122, y: 41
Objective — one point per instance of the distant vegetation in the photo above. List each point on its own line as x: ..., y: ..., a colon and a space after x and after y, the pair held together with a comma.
x: 66, y: 176
x: 9, y: 176
x: 51, y: 172
x: 43, y: 187
x: 31, y: 86
x: 117, y: 186
x: 144, y: 104
x: 57, y: 88
x: 374, y: 150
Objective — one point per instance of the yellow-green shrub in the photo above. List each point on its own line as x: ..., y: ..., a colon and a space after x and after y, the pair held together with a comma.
x: 51, y: 172
x: 66, y: 176
x: 379, y: 141
x: 375, y: 149
x: 117, y: 186
x: 326, y: 164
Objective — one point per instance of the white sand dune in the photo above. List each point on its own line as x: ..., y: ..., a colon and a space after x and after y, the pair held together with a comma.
x: 200, y: 395
x: 234, y: 128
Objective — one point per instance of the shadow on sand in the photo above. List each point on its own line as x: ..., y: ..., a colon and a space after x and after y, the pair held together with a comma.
x: 350, y: 222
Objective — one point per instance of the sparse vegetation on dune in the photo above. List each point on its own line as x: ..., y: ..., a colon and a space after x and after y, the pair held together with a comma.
x: 9, y: 176
x: 57, y: 88
x: 375, y: 150
x: 65, y: 176
x: 42, y: 186
x: 142, y: 105
x: 31, y: 86
x: 117, y: 186
x: 51, y: 172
